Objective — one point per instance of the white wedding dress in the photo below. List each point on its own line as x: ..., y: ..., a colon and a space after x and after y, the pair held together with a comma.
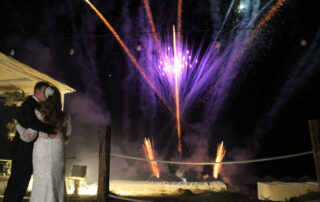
x: 48, y: 161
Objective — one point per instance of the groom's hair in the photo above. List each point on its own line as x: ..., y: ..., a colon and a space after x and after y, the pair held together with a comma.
x: 39, y: 85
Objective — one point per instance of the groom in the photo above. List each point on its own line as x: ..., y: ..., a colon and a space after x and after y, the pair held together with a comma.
x: 21, y: 169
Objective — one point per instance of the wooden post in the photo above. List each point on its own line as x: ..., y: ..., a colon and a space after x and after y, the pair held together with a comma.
x: 104, y: 164
x: 76, y: 187
x: 314, y: 128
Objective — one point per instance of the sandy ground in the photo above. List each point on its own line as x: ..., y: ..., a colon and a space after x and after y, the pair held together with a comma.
x: 189, y: 197
x: 222, y: 197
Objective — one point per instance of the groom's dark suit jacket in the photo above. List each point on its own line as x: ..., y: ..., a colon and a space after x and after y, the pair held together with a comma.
x: 22, y: 151
x: 21, y: 169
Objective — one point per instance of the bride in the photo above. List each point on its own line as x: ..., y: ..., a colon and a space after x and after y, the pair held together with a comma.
x: 48, y: 158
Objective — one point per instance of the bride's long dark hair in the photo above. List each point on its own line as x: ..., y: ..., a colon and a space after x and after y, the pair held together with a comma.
x: 52, y: 110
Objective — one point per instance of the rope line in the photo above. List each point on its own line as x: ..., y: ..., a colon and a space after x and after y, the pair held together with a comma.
x: 126, y: 199
x: 211, y: 163
x: 202, y: 163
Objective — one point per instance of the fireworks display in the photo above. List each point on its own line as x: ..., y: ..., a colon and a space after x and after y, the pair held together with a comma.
x: 182, y: 76
x: 128, y: 52
x: 221, y: 151
x: 150, y: 154
x: 195, y: 92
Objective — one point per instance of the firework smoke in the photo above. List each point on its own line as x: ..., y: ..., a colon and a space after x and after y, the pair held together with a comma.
x: 294, y: 84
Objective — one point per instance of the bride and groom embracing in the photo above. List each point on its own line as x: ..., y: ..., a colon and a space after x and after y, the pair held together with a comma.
x: 39, y: 148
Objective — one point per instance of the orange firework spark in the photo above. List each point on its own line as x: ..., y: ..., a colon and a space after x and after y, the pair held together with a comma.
x: 149, y: 154
x: 253, y: 35
x: 263, y: 22
x: 153, y: 28
x: 221, y: 151
x: 270, y: 14
x: 179, y: 20
x: 266, y: 19
x: 128, y: 52
x: 177, y: 99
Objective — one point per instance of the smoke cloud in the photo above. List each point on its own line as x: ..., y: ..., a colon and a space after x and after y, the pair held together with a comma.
x: 305, y: 70
x: 87, y: 116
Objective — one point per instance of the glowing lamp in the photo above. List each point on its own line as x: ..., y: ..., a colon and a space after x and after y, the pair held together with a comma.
x: 78, y: 173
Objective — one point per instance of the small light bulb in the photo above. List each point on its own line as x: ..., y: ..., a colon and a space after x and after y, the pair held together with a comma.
x: 138, y: 48
x: 303, y: 43
x: 12, y: 52
x: 71, y: 51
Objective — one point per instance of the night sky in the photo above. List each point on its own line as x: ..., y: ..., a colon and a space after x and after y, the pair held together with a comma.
x: 266, y: 111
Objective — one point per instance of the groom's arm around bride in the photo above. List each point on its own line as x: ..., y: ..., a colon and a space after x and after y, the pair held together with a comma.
x: 26, y: 117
